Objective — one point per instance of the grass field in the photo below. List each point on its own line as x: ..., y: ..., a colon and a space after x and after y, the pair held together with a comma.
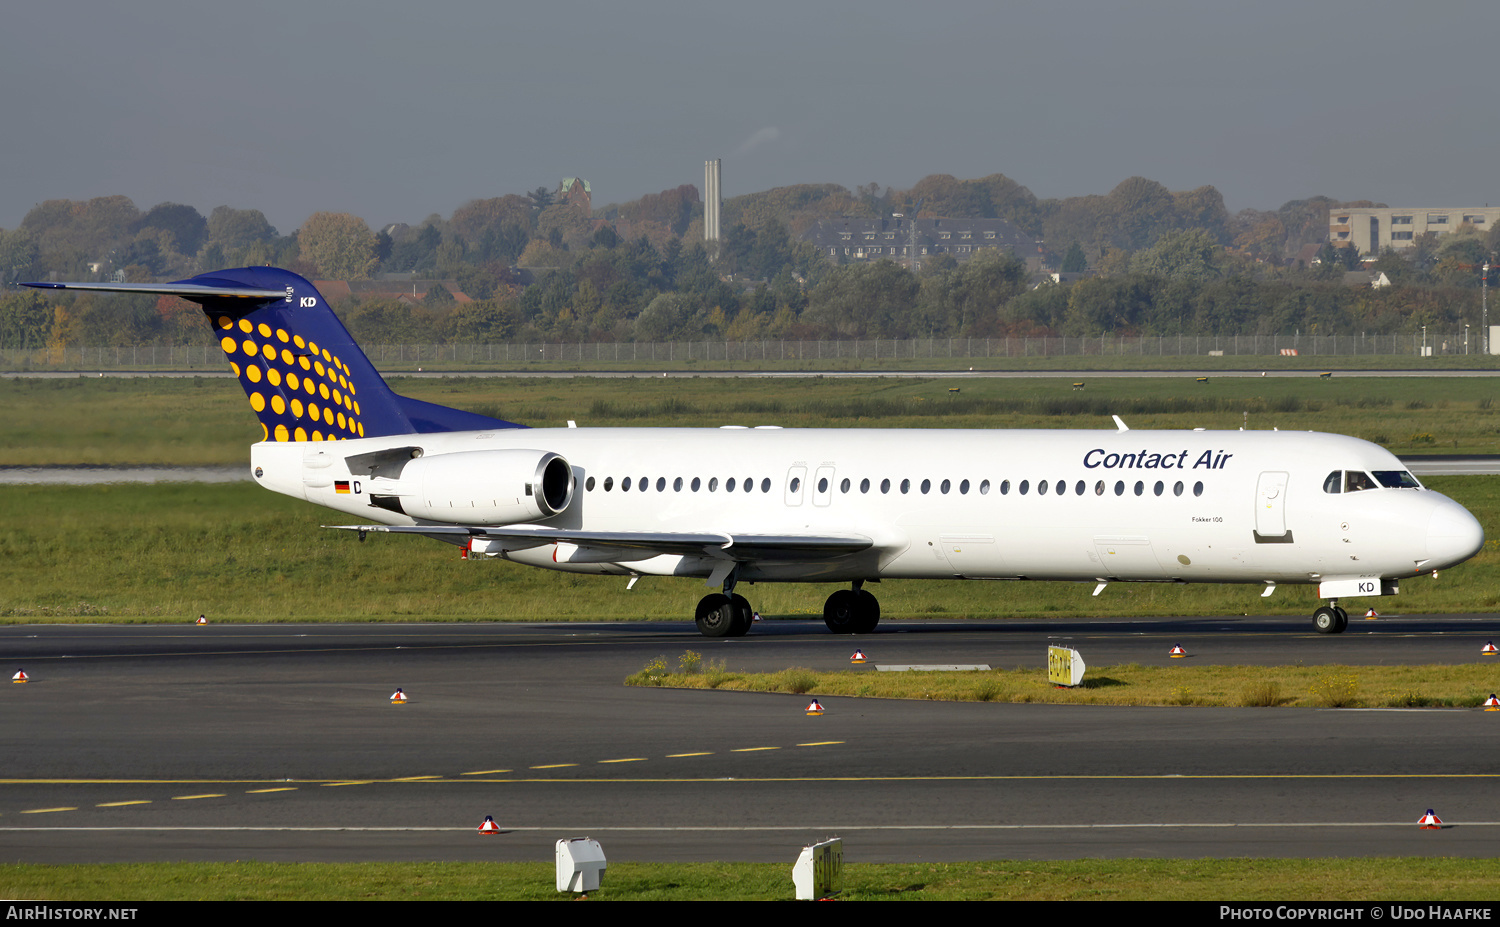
x: 200, y: 421
x: 169, y: 552
x: 1413, y: 879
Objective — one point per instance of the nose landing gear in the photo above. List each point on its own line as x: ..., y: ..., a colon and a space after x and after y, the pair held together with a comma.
x: 1330, y: 619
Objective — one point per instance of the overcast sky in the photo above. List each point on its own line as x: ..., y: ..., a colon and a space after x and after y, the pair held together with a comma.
x: 397, y: 110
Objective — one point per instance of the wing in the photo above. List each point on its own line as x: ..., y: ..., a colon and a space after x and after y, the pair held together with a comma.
x: 632, y: 544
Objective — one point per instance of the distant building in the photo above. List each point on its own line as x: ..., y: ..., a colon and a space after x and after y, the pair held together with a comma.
x: 576, y: 191
x: 1372, y: 231
x: 856, y: 239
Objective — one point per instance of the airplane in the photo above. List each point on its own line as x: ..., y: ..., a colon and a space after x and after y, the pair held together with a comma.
x: 738, y: 505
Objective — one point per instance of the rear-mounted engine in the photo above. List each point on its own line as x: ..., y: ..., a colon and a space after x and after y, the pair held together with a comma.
x: 476, y: 487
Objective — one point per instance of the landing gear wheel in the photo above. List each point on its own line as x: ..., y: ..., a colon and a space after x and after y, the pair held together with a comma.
x: 744, y: 615
x: 841, y: 612
x: 1343, y: 620
x: 869, y: 613
x: 1326, y: 620
x: 716, y: 616
x: 851, y: 611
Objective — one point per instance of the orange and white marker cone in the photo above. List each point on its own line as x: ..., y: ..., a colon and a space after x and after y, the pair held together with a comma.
x: 1371, y: 614
x: 20, y: 676
x: 858, y: 657
x: 1488, y: 650
x: 1430, y: 821
x: 1492, y: 703
x: 398, y: 697
x: 202, y: 619
x: 1177, y: 651
x: 814, y: 708
x: 489, y: 826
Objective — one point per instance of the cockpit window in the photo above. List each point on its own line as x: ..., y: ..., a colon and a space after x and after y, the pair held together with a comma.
x: 1356, y: 480
x: 1397, y: 479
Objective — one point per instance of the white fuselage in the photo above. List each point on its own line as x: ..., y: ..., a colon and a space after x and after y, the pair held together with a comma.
x: 1183, y: 506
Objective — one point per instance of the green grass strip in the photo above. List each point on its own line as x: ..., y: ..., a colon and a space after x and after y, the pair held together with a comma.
x: 198, y: 421
x: 1462, y: 686
x: 1409, y: 879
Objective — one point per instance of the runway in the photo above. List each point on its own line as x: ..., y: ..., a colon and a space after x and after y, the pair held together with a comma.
x: 278, y: 742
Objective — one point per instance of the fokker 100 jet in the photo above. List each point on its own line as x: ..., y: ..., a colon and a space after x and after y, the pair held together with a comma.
x: 741, y: 505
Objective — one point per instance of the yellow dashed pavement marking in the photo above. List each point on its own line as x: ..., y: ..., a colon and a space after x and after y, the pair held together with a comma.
x: 426, y: 778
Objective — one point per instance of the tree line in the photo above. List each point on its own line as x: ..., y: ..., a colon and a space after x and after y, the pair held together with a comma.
x: 1161, y: 262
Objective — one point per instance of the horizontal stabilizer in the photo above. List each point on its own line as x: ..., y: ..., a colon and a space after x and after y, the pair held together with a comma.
x: 195, y: 292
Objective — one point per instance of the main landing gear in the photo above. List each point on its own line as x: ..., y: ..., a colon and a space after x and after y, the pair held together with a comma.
x: 848, y: 611
x: 1330, y: 619
x: 724, y: 615
x: 852, y: 611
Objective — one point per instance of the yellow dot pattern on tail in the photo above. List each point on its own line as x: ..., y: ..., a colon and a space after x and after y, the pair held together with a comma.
x: 278, y: 369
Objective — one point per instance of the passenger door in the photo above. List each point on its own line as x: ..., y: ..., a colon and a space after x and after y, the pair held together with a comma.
x: 1270, y: 505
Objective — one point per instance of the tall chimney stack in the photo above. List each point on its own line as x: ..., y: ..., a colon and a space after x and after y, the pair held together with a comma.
x: 712, y: 197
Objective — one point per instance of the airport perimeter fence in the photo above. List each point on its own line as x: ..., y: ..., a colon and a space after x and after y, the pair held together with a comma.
x: 780, y: 353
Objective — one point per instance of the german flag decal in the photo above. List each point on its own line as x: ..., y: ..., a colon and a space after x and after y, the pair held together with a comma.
x: 341, y: 486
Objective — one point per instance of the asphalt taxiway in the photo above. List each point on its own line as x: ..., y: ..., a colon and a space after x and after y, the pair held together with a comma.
x: 279, y: 742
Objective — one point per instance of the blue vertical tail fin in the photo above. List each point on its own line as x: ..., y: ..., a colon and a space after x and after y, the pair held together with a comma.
x: 305, y: 377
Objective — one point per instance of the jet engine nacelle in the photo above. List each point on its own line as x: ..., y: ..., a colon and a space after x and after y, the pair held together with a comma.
x: 482, y: 487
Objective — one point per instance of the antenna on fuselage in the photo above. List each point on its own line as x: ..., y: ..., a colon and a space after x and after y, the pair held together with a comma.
x: 1120, y: 424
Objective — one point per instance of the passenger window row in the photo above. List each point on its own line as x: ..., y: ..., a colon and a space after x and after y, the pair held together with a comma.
x: 1060, y: 487
x: 1099, y: 488
x: 644, y: 483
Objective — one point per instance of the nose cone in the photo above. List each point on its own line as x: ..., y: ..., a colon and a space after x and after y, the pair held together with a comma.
x: 1453, y: 536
